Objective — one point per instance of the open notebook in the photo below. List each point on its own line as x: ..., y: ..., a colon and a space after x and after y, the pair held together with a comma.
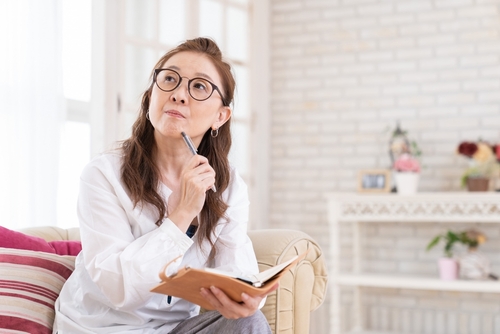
x: 187, y: 282
x: 259, y: 279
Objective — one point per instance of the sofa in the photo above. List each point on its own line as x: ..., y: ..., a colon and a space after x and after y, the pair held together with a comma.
x: 301, y: 291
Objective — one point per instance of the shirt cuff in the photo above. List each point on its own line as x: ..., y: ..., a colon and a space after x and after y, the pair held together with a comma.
x: 262, y: 302
x: 177, y: 236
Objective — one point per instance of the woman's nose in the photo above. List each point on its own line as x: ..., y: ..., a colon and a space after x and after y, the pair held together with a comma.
x: 175, y: 99
x: 180, y: 94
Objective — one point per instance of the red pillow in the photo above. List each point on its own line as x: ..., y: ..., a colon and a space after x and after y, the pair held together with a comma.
x: 66, y: 247
x: 18, y: 240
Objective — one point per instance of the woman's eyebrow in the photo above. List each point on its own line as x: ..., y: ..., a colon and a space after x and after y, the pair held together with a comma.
x: 203, y: 75
x: 173, y: 67
x: 197, y: 74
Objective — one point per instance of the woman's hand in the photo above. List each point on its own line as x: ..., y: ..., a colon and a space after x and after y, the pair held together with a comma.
x: 231, y: 309
x: 196, y: 178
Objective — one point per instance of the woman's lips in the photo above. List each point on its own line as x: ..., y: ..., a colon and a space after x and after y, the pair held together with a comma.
x: 174, y: 113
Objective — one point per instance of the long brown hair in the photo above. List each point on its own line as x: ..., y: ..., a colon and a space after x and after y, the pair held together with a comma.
x: 141, y: 175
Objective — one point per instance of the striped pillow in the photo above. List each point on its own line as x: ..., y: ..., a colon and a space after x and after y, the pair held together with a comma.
x: 30, y: 283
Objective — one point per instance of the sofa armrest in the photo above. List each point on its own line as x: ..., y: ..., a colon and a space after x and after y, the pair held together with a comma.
x: 301, y: 290
x: 52, y: 233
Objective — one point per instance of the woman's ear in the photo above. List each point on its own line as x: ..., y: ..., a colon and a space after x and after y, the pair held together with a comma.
x: 223, y: 115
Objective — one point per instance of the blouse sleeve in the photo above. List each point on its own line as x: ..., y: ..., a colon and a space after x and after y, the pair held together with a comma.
x: 123, y: 267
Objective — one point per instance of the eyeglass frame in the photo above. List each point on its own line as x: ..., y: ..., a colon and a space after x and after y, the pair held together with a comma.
x: 214, y: 86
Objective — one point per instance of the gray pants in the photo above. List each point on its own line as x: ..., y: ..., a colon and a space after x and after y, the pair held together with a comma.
x: 213, y: 322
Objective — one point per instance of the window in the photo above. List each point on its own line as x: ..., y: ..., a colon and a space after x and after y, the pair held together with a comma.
x: 74, y: 150
x: 144, y: 31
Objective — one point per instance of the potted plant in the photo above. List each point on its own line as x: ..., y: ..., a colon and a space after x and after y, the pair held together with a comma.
x: 407, y: 174
x: 404, y: 155
x: 448, y: 265
x: 484, y: 164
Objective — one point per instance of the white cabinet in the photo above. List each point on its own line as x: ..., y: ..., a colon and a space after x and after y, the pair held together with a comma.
x: 356, y: 209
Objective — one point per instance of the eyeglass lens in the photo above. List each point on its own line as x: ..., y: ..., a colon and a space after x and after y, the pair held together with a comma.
x: 199, y: 89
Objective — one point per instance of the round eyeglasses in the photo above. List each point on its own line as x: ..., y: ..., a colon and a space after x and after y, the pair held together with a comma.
x: 200, y: 89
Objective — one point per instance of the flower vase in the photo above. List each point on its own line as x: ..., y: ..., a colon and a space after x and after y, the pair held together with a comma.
x: 478, y: 183
x: 448, y: 269
x: 474, y: 265
x: 407, y: 182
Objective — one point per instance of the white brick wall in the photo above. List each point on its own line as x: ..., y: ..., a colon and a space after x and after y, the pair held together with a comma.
x: 343, y: 72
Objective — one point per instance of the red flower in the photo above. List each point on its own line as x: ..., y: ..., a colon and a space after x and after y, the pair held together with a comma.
x: 467, y: 148
x: 496, y: 150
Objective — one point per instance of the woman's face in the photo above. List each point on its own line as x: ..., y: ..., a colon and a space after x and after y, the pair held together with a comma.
x: 172, y: 112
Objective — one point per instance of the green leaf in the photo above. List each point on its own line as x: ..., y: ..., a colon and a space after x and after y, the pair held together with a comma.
x: 447, y: 248
x: 452, y: 237
x: 415, y: 149
x: 433, y: 242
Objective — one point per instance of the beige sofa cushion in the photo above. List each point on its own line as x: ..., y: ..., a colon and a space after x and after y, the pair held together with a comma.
x: 52, y: 233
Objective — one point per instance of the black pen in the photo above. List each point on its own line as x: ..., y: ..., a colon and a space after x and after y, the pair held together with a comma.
x: 193, y: 150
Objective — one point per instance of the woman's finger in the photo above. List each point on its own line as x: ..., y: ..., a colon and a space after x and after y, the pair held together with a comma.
x: 231, y: 309
x: 200, y: 173
x: 209, y: 296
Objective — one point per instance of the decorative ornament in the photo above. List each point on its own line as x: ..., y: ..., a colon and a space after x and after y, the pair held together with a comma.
x: 398, y: 144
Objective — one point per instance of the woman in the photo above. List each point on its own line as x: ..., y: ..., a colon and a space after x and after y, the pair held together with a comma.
x: 153, y: 201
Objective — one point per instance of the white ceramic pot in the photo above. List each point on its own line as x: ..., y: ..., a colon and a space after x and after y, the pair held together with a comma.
x: 407, y: 183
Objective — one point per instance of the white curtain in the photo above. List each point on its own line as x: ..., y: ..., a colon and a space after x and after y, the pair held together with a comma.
x: 31, y: 111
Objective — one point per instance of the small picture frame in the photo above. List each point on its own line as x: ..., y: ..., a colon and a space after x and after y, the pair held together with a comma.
x: 374, y: 181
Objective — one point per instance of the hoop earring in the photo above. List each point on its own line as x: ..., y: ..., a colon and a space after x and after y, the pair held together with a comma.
x: 214, y: 133
x: 147, y: 116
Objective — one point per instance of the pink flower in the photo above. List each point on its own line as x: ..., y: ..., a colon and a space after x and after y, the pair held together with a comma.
x: 407, y: 163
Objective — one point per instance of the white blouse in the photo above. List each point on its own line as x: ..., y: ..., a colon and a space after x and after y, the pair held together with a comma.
x: 124, y: 250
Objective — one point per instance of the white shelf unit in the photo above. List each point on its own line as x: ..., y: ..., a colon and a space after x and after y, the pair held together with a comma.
x: 357, y: 208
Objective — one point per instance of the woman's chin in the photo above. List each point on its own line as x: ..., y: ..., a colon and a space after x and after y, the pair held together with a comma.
x: 169, y: 131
